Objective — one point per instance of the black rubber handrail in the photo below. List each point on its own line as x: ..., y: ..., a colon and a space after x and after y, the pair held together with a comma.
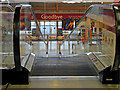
x: 16, y: 29
x: 117, y: 49
x: 16, y: 40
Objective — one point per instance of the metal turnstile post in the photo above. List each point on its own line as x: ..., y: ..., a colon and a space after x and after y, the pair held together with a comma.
x: 69, y: 45
x: 59, y: 49
x: 73, y: 48
x: 47, y: 44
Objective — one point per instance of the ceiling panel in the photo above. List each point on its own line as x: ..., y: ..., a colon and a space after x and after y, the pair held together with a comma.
x: 61, y: 0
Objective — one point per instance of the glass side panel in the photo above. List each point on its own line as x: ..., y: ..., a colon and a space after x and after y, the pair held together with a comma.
x: 97, y: 33
x: 6, y: 37
x: 25, y: 34
x: 29, y: 31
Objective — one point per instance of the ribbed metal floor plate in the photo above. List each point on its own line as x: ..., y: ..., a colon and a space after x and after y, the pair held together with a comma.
x: 64, y: 66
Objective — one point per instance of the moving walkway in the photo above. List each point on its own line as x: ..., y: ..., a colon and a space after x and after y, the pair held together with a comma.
x: 103, y: 56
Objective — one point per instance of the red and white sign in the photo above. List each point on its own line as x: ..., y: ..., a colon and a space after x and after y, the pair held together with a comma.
x: 54, y: 16
x: 116, y: 1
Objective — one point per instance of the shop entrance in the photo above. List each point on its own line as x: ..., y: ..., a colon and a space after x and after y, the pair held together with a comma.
x: 48, y: 28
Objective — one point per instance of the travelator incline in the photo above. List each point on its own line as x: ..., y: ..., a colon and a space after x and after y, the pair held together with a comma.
x: 106, y: 60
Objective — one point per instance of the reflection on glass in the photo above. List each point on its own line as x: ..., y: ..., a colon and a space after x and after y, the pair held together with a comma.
x: 25, y: 34
x: 96, y: 32
x: 6, y: 38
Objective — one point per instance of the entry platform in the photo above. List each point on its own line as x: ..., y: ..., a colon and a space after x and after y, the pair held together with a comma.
x: 64, y: 82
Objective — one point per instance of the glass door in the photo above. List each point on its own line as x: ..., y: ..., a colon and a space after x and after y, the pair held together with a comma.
x: 48, y: 28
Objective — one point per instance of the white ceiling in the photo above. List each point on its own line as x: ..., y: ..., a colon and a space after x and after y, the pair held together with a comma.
x: 60, y: 0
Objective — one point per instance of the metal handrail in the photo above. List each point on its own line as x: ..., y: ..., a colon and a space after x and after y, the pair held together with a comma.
x: 76, y: 26
x: 8, y: 6
x: 106, y: 5
x: 35, y: 19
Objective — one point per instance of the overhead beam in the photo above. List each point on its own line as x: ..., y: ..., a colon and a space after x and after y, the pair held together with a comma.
x: 57, y: 7
x: 107, y: 2
x: 73, y: 8
x: 43, y: 8
x: 60, y: 8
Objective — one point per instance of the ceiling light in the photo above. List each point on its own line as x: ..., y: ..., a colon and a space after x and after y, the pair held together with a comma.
x: 26, y: 5
x: 4, y: 0
x: 72, y: 1
x: 116, y: 7
x: 84, y: 1
x: 64, y: 1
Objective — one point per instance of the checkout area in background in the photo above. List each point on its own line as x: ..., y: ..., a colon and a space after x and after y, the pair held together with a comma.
x: 54, y: 28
